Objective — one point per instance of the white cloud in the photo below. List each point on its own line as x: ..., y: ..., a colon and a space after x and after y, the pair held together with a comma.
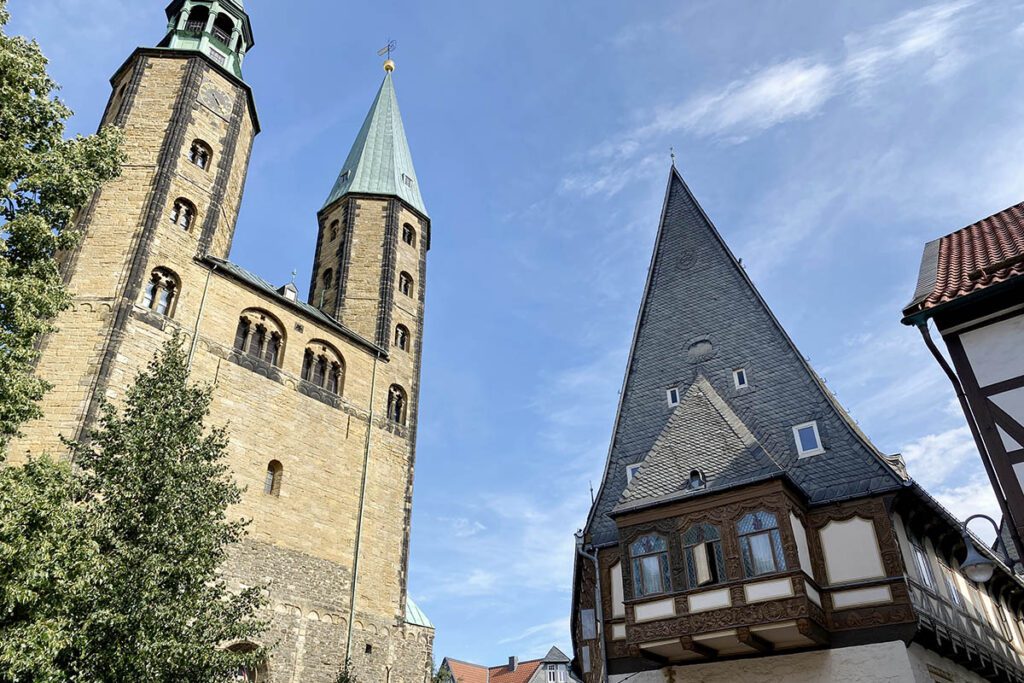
x: 790, y: 90
x: 462, y: 527
x: 934, y: 457
x: 973, y: 497
x: 552, y: 629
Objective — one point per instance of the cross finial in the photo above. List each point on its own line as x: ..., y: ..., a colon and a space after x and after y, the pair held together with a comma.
x: 672, y: 153
x: 294, y: 273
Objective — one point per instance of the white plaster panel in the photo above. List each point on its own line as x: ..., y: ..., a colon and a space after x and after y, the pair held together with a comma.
x: 995, y: 351
x: 802, y: 549
x: 767, y: 590
x: 1013, y: 403
x: 851, y: 550
x: 702, y: 602
x: 813, y: 594
x: 618, y: 608
x: 1009, y: 443
x: 861, y: 596
x: 659, y: 609
x: 618, y: 631
x: 875, y: 663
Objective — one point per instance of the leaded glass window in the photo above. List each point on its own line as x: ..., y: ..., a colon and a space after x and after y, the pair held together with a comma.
x: 702, y: 552
x: 760, y: 544
x: 650, y: 565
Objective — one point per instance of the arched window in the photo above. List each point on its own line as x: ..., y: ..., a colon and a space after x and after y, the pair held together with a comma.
x: 200, y: 154
x: 260, y: 335
x: 696, y: 480
x: 223, y: 28
x: 402, y: 337
x: 702, y: 551
x: 334, y: 230
x: 161, y: 291
x: 409, y: 234
x: 760, y: 544
x: 405, y: 283
x: 328, y: 278
x: 183, y: 213
x: 397, y: 404
x: 248, y: 673
x: 650, y: 565
x: 323, y: 366
x: 275, y: 473
x: 197, y: 19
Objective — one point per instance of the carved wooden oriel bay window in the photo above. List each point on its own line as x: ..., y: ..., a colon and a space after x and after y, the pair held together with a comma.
x: 761, y: 544
x: 651, y: 574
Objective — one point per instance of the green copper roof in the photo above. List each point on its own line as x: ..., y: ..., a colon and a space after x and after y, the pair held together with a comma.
x: 414, y: 615
x: 380, y: 161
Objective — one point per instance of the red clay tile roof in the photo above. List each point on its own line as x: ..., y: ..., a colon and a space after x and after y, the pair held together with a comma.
x: 472, y: 673
x: 969, y: 260
x: 467, y: 673
x: 523, y: 672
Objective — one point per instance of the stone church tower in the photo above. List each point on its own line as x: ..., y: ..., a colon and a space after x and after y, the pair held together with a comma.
x: 321, y: 396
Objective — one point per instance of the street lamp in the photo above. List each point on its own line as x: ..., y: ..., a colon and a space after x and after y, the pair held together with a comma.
x: 976, y: 566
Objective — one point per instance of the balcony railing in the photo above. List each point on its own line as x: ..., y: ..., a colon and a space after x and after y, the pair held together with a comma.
x: 221, y: 35
x: 195, y: 27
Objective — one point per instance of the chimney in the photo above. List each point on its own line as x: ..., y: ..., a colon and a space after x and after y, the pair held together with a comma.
x: 513, y: 663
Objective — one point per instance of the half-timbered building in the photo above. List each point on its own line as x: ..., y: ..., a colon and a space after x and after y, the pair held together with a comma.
x: 971, y: 284
x: 746, y: 528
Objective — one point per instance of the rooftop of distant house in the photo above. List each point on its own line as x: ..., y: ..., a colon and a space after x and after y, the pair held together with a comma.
x: 514, y: 671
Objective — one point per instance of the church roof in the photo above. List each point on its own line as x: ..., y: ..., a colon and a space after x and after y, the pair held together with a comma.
x: 380, y: 161
x: 701, y: 318
x: 702, y: 434
x: 973, y: 259
x: 414, y: 615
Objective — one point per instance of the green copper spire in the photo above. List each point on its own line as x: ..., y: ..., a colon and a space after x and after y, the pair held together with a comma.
x: 380, y: 162
x: 219, y: 29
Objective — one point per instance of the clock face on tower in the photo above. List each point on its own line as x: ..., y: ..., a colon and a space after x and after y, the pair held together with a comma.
x: 217, y: 100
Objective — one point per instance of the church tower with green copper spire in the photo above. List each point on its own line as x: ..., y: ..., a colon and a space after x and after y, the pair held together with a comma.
x: 219, y: 29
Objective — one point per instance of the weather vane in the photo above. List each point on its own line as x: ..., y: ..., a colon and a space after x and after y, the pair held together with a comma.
x: 294, y: 273
x: 387, y: 49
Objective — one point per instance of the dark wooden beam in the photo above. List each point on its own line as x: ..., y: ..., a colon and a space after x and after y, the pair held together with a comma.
x: 753, y: 640
x: 811, y: 630
x: 701, y: 649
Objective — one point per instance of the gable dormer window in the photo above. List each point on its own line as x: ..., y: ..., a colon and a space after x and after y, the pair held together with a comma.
x: 407, y: 179
x: 673, y: 397
x: 631, y: 471
x: 739, y: 378
x: 808, y: 441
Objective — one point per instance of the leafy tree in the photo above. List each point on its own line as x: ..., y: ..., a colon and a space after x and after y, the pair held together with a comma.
x: 122, y: 581
x: 44, y: 179
x: 442, y: 675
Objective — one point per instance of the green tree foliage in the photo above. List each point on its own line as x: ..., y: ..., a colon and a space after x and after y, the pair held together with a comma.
x: 116, y: 579
x: 44, y: 179
x: 442, y: 675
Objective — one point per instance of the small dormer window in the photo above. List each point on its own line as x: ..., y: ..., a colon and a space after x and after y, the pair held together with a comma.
x: 696, y: 481
x: 407, y: 179
x: 631, y: 471
x: 673, y: 396
x: 808, y: 441
x: 344, y: 177
x: 739, y: 378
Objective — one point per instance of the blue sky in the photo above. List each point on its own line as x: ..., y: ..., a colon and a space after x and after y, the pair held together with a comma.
x: 828, y: 141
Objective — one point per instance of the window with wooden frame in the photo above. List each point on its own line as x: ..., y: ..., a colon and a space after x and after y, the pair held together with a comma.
x: 949, y: 578
x: 923, y: 564
x: 808, y: 440
x: 651, y: 572
x: 275, y: 475
x: 760, y: 544
x: 702, y: 553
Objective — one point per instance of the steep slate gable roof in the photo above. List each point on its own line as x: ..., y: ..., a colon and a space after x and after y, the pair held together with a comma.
x: 972, y: 259
x: 703, y: 434
x: 702, y: 316
x: 380, y: 162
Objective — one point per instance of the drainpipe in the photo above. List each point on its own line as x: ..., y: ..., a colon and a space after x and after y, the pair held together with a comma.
x: 922, y: 327
x: 199, y: 318
x: 600, y: 610
x: 359, y: 519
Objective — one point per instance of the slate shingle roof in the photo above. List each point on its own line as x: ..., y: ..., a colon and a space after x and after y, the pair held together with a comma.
x: 702, y: 434
x: 970, y: 260
x: 701, y: 316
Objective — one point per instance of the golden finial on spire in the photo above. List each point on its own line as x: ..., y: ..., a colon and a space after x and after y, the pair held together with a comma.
x: 389, y: 64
